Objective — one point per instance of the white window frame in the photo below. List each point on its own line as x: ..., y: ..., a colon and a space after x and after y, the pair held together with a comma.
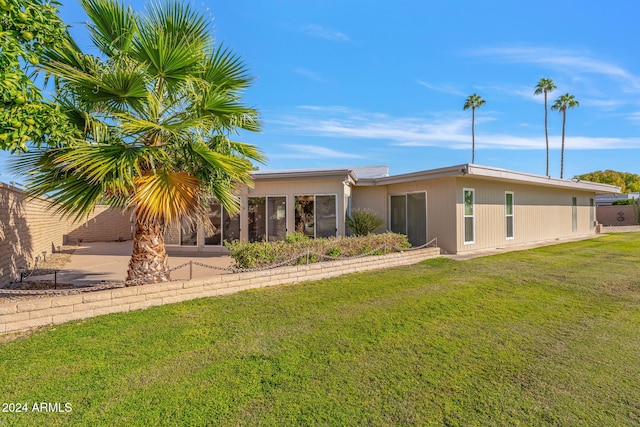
x: 266, y: 208
x: 511, y: 215
x: 592, y: 214
x: 472, y: 216
x: 315, y: 211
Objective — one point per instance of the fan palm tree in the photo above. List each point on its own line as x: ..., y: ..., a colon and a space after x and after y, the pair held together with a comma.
x: 561, y: 104
x: 545, y: 86
x: 473, y: 101
x: 156, y: 110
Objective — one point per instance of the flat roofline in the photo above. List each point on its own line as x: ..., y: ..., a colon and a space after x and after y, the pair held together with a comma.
x: 492, y: 173
x: 304, y: 174
x: 461, y: 171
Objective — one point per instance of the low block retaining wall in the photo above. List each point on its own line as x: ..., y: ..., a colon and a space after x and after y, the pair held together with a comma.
x: 23, y: 315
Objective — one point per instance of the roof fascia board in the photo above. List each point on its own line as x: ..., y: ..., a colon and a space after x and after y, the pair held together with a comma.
x: 309, y: 175
x: 527, y: 178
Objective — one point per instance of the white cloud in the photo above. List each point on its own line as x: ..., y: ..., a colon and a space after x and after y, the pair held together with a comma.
x: 575, y: 62
x: 326, y: 33
x: 301, y: 151
x: 311, y: 75
x: 446, y: 131
x: 444, y: 88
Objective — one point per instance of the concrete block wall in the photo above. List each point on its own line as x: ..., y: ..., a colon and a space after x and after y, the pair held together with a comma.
x: 105, y: 225
x: 619, y: 216
x: 28, y: 227
x: 23, y: 315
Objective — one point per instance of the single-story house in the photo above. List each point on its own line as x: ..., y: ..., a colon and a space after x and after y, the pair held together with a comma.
x: 466, y: 207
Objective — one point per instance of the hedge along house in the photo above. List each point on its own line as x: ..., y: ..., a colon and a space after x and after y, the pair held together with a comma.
x: 466, y: 207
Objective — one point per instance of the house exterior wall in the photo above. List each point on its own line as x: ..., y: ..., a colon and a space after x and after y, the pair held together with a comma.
x: 374, y: 199
x: 290, y: 189
x: 540, y: 213
x: 441, y: 215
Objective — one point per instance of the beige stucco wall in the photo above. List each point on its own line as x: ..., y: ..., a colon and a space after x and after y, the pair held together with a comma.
x: 28, y: 228
x: 440, y: 208
x: 374, y: 199
x: 540, y: 213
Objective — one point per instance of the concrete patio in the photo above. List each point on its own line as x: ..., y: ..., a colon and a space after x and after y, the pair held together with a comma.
x: 98, y: 262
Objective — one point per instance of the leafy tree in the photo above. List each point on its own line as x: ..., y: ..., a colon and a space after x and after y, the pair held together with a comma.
x: 156, y: 111
x: 628, y: 182
x: 26, y: 28
x: 561, y: 104
x: 545, y: 86
x: 473, y: 101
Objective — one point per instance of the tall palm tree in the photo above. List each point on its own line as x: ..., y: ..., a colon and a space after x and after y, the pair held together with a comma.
x: 473, y: 101
x: 545, y: 86
x: 561, y: 104
x: 156, y: 111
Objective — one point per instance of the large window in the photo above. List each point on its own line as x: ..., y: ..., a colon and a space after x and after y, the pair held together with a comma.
x: 574, y: 214
x: 267, y: 218
x: 592, y: 214
x: 508, y: 211
x: 316, y: 215
x: 469, y: 218
x: 224, y: 228
x: 184, y: 234
x: 408, y: 216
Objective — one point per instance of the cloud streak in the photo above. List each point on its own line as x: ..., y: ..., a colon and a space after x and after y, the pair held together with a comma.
x: 451, y: 132
x: 564, y: 61
x: 305, y: 151
x: 326, y: 33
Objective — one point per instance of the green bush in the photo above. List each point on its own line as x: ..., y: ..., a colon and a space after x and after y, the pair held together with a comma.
x: 300, y: 249
x: 363, y: 222
x: 623, y: 202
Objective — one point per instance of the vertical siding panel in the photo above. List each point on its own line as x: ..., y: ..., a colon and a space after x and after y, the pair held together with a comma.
x: 540, y: 213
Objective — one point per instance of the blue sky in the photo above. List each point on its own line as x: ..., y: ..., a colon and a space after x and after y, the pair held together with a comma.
x: 342, y: 83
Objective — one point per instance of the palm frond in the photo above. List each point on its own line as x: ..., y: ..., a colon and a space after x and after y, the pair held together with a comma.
x: 113, y: 25
x: 172, y: 42
x: 118, y: 85
x: 224, y: 70
x: 166, y: 196
x: 236, y: 168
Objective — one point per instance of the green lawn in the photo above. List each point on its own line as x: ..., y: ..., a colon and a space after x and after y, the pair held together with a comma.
x: 542, y: 337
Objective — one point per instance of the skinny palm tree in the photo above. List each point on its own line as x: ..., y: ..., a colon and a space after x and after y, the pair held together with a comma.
x: 545, y: 86
x: 156, y: 111
x: 473, y: 101
x: 561, y: 104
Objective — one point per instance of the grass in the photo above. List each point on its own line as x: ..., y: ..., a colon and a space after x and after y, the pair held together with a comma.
x: 546, y: 337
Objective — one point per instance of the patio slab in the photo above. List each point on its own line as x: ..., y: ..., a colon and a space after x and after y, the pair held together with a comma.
x: 98, y: 262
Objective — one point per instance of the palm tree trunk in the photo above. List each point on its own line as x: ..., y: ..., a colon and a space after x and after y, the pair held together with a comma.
x: 546, y: 131
x: 149, y: 262
x: 564, y: 119
x: 473, y: 135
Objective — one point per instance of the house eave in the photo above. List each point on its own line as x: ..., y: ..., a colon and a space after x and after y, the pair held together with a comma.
x: 467, y: 171
x: 305, y: 175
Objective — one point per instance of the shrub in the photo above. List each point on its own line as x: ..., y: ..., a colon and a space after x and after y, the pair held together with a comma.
x: 363, y: 222
x: 300, y: 249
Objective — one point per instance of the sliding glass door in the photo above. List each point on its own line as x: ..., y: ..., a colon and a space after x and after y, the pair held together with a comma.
x: 316, y: 215
x: 267, y: 218
x: 408, y: 216
x: 224, y: 228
